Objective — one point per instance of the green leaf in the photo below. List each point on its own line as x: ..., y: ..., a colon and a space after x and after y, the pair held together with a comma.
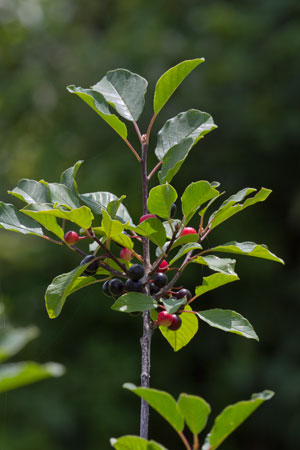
x: 187, y: 239
x: 174, y: 159
x: 162, y: 402
x: 30, y: 191
x: 153, y: 229
x: 192, y: 124
x: 101, y: 200
x: 46, y: 220
x: 248, y: 249
x: 68, y: 178
x: 135, y: 443
x: 195, y: 411
x: 11, y: 219
x: 114, y: 205
x: 171, y: 225
x: 61, y: 195
x: 125, y: 91
x: 82, y: 216
x: 213, y: 282
x: 124, y: 240
x: 180, y: 338
x: 12, y: 340
x: 229, y: 321
x: 16, y: 375
x: 230, y: 207
x: 134, y: 302
x: 160, y: 200
x: 195, y: 195
x: 170, y: 80
x: 222, y: 265
x: 231, y: 417
x: 61, y: 287
x: 98, y: 103
x: 111, y: 227
x: 172, y: 304
x: 185, y: 249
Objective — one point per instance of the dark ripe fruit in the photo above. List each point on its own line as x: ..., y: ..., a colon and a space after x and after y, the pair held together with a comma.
x: 136, y: 272
x: 105, y: 288
x: 154, y: 289
x: 71, y: 237
x: 92, y: 268
x: 173, y: 210
x: 176, y: 323
x: 133, y: 286
x: 164, y: 319
x: 147, y: 216
x: 188, y: 230
x: 163, y: 267
x: 115, y: 286
x: 126, y: 254
x: 160, y: 279
x: 183, y: 293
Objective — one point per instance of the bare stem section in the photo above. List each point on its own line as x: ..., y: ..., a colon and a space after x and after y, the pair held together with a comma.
x: 147, y: 325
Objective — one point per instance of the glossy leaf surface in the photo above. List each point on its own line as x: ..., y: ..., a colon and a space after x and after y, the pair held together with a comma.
x: 185, y: 249
x: 98, y: 103
x: 13, y: 220
x: 30, y: 191
x: 180, y: 338
x: 170, y: 80
x: 192, y: 124
x: 222, y: 265
x: 195, y: 195
x: 68, y: 178
x: 162, y: 402
x: 229, y: 321
x: 134, y: 302
x: 101, y: 200
x: 125, y: 91
x: 153, y: 229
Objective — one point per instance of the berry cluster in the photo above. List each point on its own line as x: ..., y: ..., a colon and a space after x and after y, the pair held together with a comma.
x: 115, y: 287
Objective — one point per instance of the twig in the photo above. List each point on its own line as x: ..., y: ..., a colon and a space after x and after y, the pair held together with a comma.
x: 137, y: 131
x: 133, y: 151
x: 154, y: 170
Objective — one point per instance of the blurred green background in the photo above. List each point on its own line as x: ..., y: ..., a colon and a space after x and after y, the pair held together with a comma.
x: 250, y: 85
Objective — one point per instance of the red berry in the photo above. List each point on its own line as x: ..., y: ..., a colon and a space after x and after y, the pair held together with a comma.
x: 71, y: 237
x: 188, y: 230
x: 126, y: 254
x: 164, y: 319
x: 147, y: 216
x: 163, y: 267
x: 176, y: 323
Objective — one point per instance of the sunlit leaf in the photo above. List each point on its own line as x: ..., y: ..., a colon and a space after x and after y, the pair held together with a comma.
x: 214, y: 281
x: 68, y: 178
x: 160, y: 200
x: 153, y: 229
x: 135, y: 443
x: 222, y: 265
x: 180, y: 338
x: 195, y: 195
x: 170, y: 80
x: 62, y: 195
x: 185, y: 249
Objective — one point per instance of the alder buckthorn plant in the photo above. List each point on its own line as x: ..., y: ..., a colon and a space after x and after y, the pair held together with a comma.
x: 141, y: 266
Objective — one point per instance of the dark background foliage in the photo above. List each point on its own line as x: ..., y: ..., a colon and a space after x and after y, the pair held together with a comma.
x: 249, y: 84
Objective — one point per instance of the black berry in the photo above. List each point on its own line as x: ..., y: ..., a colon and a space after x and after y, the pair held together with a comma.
x: 105, y: 288
x: 176, y: 323
x: 154, y: 289
x: 92, y: 268
x: 136, y: 272
x: 115, y: 286
x: 160, y: 279
x: 173, y: 210
x: 183, y: 293
x: 133, y: 286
